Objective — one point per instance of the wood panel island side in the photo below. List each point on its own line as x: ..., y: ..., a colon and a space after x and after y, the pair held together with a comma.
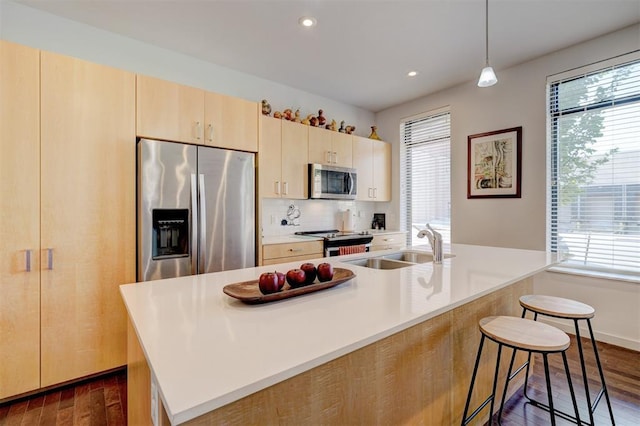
x: 388, y: 347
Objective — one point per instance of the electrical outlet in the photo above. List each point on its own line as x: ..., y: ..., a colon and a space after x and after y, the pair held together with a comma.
x: 273, y: 219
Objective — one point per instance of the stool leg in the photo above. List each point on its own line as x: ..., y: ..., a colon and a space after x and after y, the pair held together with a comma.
x: 506, y: 383
x: 573, y: 395
x: 526, y: 375
x: 584, y: 372
x: 604, y: 386
x: 495, y: 382
x: 546, y: 375
x: 473, y: 380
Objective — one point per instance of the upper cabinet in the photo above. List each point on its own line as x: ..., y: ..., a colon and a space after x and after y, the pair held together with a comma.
x: 175, y: 112
x: 170, y: 111
x: 329, y: 147
x: 283, y: 160
x: 372, y: 161
x: 230, y: 122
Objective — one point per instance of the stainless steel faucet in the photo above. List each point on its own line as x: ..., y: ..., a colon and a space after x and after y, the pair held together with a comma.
x: 435, y: 239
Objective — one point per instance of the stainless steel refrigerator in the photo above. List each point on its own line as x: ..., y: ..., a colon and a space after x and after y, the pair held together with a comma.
x: 196, y: 209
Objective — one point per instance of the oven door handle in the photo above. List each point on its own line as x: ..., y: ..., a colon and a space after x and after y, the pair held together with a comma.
x: 349, y: 183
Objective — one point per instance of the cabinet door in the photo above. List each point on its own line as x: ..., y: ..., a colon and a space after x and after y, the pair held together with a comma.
x: 320, y: 151
x: 88, y: 215
x: 270, y: 158
x: 295, y: 163
x: 382, y: 170
x: 19, y: 219
x: 169, y: 111
x: 231, y: 122
x: 341, y: 147
x: 363, y: 163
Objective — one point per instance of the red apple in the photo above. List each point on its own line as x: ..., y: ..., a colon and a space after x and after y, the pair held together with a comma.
x: 309, y: 271
x: 325, y: 272
x: 268, y: 283
x: 296, y: 277
x: 281, y: 279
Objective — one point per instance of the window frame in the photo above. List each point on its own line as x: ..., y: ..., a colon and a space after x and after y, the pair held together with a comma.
x: 553, y: 115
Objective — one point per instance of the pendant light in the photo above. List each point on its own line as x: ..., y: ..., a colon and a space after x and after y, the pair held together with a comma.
x: 487, y: 76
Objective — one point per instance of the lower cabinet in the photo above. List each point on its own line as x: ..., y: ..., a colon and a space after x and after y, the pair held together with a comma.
x: 395, y: 240
x: 290, y: 252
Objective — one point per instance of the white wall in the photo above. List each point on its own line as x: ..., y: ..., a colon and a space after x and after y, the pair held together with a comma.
x: 31, y: 27
x: 519, y: 100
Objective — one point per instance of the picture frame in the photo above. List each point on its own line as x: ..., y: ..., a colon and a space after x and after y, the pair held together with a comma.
x: 494, y: 164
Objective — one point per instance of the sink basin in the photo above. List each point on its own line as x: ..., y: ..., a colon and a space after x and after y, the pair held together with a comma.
x: 400, y: 259
x: 413, y: 256
x: 380, y: 263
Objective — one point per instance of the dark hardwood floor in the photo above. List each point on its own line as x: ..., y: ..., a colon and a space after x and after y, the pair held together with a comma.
x: 622, y: 374
x: 100, y: 402
x: 103, y: 401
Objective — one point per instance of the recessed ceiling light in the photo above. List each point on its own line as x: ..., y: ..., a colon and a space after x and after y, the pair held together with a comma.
x: 307, y: 21
x: 412, y: 73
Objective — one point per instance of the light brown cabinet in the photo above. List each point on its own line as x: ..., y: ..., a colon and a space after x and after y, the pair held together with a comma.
x: 386, y: 241
x: 329, y: 147
x: 19, y: 219
x: 87, y: 215
x: 283, y: 159
x: 67, y: 131
x: 171, y: 111
x: 372, y: 160
x: 166, y: 110
x: 230, y: 122
x: 290, y: 252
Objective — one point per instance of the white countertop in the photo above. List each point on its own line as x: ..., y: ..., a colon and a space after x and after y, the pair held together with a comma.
x: 206, y: 349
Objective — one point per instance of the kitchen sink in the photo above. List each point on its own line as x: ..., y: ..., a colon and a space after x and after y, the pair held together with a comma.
x: 400, y: 259
x: 413, y: 256
x: 379, y: 263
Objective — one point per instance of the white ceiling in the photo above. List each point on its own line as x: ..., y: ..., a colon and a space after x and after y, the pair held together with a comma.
x: 361, y: 50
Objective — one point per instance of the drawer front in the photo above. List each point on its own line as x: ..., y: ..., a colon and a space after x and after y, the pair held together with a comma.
x: 278, y: 251
x: 389, y: 241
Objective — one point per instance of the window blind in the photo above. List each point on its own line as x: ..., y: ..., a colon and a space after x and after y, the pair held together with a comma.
x: 425, y: 171
x: 594, y: 167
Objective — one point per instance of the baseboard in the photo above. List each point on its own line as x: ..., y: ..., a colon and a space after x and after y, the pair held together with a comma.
x: 600, y: 337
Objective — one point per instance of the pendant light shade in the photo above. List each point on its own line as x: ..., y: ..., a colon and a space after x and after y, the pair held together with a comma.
x: 487, y: 76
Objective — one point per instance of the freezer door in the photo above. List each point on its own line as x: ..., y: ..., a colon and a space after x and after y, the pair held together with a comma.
x: 227, y: 209
x: 167, y: 195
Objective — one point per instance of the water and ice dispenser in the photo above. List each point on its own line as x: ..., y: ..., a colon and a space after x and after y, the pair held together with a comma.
x: 170, y: 233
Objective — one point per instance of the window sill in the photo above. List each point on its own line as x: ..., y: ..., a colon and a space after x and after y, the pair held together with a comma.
x: 560, y: 269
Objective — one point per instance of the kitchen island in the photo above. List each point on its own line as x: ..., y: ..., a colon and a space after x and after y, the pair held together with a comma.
x: 387, y: 347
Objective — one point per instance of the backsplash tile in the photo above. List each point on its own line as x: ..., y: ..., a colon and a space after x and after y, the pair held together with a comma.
x: 315, y: 215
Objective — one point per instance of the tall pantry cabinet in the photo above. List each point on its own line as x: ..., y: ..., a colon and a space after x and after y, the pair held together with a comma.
x: 69, y: 214
x: 88, y: 215
x: 19, y: 219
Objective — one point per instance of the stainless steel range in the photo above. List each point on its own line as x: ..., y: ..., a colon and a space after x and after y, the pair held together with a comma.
x: 338, y: 242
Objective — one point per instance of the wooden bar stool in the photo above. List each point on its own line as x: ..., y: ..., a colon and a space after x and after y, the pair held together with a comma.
x: 525, y: 335
x: 558, y: 307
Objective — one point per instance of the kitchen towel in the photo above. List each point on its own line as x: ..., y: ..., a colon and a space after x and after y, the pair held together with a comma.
x: 361, y: 248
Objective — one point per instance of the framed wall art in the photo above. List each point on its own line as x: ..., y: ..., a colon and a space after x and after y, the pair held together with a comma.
x: 494, y: 164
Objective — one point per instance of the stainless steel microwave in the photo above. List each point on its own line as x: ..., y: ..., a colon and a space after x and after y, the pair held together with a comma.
x: 332, y: 183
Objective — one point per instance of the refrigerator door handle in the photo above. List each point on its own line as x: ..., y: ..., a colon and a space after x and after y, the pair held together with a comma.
x: 194, y: 224
x: 203, y: 224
